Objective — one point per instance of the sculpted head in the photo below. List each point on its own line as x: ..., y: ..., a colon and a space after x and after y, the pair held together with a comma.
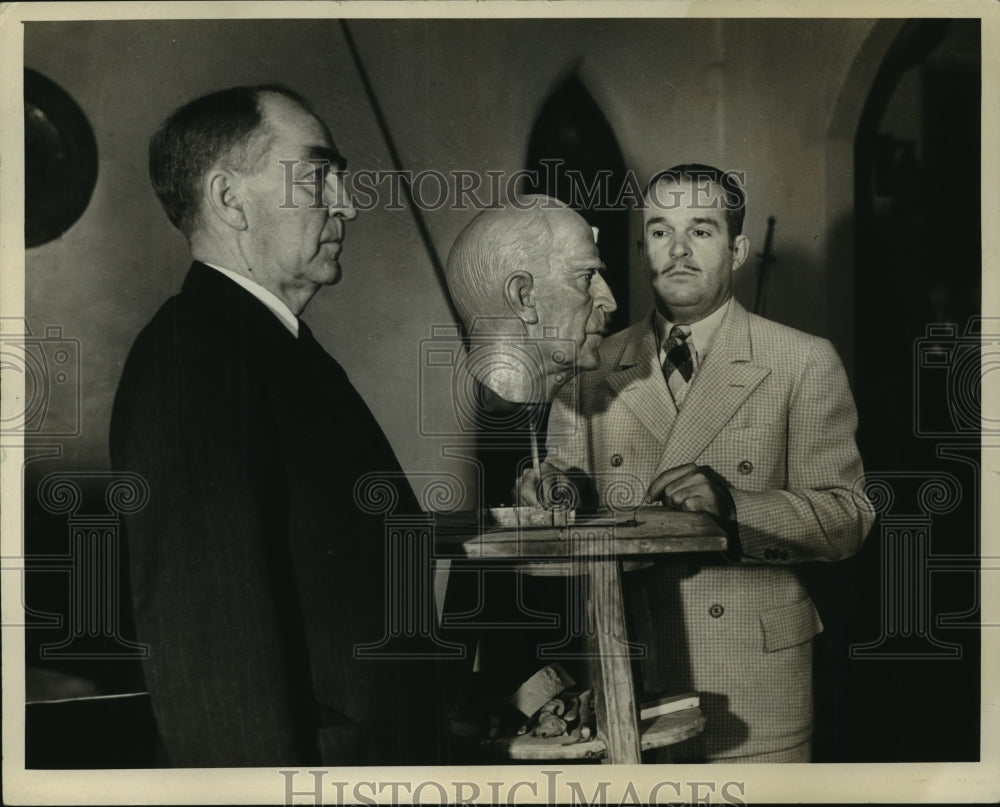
x: 526, y: 281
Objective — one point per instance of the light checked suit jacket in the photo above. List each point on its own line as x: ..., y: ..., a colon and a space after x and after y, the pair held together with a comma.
x: 769, y: 410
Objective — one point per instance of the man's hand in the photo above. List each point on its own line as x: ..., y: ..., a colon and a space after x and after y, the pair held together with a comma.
x: 694, y: 490
x: 552, y: 488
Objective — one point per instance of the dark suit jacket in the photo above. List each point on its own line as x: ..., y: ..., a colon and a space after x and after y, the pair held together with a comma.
x: 254, y: 573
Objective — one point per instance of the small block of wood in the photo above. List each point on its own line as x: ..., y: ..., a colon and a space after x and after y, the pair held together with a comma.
x: 669, y: 703
x: 538, y: 690
x: 671, y: 729
x: 528, y: 748
x: 535, y: 516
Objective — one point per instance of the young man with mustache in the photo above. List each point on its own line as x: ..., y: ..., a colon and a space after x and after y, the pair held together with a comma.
x: 704, y: 407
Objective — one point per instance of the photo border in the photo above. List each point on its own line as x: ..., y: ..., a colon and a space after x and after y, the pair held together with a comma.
x: 844, y: 783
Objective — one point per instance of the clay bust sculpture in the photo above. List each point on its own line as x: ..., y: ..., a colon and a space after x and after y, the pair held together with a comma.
x: 526, y: 281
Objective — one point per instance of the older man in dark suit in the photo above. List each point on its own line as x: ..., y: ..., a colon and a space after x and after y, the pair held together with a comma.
x: 254, y: 571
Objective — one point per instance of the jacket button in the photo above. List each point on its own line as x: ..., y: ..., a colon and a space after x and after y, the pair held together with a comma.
x: 616, y: 460
x: 745, y: 467
x: 716, y: 611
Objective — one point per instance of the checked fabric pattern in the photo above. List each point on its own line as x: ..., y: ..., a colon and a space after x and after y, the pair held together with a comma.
x: 771, y: 412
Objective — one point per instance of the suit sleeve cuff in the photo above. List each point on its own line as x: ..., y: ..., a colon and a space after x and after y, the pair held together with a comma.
x: 734, y: 547
x: 745, y: 540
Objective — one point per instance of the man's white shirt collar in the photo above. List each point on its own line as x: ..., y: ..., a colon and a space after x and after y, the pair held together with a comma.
x: 271, y: 300
x: 702, y: 333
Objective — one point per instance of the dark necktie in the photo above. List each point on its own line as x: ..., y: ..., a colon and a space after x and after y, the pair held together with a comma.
x: 678, y: 367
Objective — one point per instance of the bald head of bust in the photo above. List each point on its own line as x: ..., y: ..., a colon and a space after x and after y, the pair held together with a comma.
x: 526, y: 281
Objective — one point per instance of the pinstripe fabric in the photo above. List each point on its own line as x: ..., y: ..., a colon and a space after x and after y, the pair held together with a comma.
x: 770, y: 411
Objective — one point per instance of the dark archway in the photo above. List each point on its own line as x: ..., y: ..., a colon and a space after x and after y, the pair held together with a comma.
x: 908, y: 689
x: 575, y: 155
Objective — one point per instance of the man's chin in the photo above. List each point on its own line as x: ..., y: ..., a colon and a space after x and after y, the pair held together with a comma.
x: 588, y: 357
x: 334, y: 274
x: 677, y: 291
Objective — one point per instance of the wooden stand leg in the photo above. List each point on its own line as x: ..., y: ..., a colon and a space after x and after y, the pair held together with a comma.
x: 611, y: 670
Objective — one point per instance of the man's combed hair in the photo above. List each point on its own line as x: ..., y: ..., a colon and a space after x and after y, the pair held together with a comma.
x: 223, y: 128
x: 734, y: 207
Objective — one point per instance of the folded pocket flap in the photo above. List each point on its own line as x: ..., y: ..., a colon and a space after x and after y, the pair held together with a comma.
x: 789, y: 625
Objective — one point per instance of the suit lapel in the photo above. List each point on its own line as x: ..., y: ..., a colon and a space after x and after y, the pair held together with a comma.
x: 638, y: 382
x: 717, y: 390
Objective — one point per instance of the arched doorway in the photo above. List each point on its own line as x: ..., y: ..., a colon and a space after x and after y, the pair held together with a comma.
x: 574, y: 153
x: 900, y: 677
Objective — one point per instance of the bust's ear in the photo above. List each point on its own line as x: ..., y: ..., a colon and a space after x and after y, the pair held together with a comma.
x: 225, y: 200
x: 520, y: 298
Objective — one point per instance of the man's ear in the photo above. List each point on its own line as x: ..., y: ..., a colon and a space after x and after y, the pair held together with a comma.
x: 741, y: 248
x: 225, y: 199
x: 519, y: 294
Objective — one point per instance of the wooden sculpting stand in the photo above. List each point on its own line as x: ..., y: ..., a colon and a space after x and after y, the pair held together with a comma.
x: 594, y: 547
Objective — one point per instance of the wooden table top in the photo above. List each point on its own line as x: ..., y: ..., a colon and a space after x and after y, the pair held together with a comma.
x: 654, y: 530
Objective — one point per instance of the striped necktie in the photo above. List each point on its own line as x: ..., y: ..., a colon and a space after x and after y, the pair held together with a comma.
x: 678, y: 366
